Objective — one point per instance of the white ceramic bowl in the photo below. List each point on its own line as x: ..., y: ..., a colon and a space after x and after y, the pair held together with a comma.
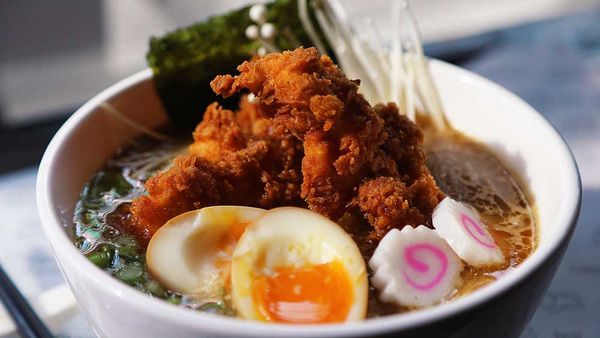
x: 489, y: 113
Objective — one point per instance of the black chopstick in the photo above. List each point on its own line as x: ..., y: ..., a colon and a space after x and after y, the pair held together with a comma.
x: 28, y: 324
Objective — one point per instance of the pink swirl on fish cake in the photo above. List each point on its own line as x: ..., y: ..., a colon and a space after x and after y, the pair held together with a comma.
x: 480, y: 234
x: 420, y: 267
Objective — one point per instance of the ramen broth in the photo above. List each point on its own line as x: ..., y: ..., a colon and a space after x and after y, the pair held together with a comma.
x: 464, y: 170
x: 469, y: 172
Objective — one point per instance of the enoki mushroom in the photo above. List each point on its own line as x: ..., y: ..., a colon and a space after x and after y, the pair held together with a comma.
x: 397, y: 74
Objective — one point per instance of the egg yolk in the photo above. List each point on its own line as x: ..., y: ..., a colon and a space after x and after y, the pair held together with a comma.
x: 320, y: 293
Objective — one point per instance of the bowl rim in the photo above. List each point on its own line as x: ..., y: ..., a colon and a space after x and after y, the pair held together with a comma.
x: 221, y: 325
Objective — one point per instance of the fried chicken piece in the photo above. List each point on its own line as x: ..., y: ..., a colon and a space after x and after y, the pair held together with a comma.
x: 321, y: 186
x: 251, y: 120
x: 356, y: 156
x: 405, y: 193
x: 403, y: 145
x: 311, y: 140
x: 281, y: 176
x: 256, y: 157
x: 220, y: 140
x: 387, y: 202
x: 310, y: 97
x: 427, y: 195
x: 257, y: 161
x: 292, y: 81
x: 189, y: 184
x: 236, y: 158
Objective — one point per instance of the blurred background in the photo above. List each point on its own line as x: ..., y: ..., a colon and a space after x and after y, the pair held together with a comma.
x: 54, y: 55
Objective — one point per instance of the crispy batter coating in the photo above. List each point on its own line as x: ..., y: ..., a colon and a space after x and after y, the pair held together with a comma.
x: 189, y: 184
x: 280, y: 174
x: 309, y: 96
x: 236, y: 158
x: 387, y: 202
x: 299, y: 89
x: 402, y: 192
x: 220, y: 140
x: 403, y: 144
x: 251, y: 120
x: 309, y: 140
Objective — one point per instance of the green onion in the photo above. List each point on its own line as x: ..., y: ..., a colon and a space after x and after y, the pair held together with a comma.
x: 174, y: 299
x: 154, y: 288
x: 212, y: 307
x: 130, y: 273
x: 101, y: 258
x: 127, y: 246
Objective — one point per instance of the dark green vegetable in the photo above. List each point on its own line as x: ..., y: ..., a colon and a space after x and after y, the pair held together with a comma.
x: 154, y: 288
x: 101, y: 258
x: 131, y: 273
x: 127, y: 246
x: 186, y: 60
x: 108, y: 182
x: 174, y: 299
x: 212, y: 307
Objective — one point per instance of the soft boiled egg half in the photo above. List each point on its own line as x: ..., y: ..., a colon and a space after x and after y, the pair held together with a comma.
x: 191, y: 253
x: 292, y: 265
